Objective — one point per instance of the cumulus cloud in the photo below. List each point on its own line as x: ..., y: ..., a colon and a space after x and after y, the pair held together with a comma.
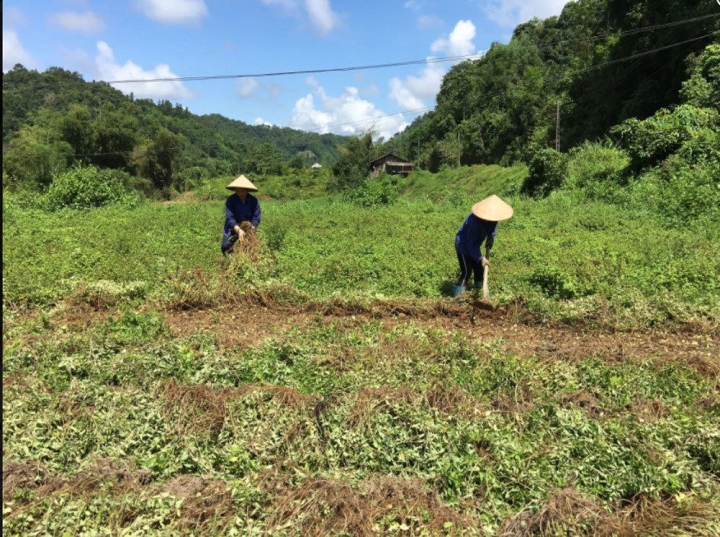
x: 346, y: 114
x: 319, y: 12
x: 86, y: 22
x: 13, y: 52
x: 261, y: 121
x: 321, y: 15
x: 459, y: 42
x: 173, y: 11
x: 414, y: 91
x: 109, y: 69
x: 510, y: 13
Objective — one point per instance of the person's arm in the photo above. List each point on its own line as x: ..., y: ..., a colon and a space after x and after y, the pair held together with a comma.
x: 229, y: 215
x: 256, y: 215
x: 490, y: 241
x: 472, y: 232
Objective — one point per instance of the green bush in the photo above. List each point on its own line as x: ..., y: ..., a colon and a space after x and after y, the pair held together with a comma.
x: 689, y: 192
x: 651, y: 141
x: 597, y: 170
x: 373, y: 192
x: 88, y: 187
x: 547, y: 171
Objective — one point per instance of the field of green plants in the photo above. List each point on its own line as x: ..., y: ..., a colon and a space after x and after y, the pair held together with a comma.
x: 328, y: 384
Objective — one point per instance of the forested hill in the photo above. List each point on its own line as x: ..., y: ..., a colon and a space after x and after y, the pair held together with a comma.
x: 597, y: 64
x: 54, y: 119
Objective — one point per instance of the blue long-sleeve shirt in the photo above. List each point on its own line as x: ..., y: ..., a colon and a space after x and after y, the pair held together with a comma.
x: 471, y: 235
x: 237, y: 212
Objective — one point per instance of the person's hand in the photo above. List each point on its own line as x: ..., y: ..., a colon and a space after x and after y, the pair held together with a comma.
x: 485, y: 262
x: 236, y: 229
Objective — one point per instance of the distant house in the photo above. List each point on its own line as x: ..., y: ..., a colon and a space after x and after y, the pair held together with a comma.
x: 316, y: 166
x: 390, y: 164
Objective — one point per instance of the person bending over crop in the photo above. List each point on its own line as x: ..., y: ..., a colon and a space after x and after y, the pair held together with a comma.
x: 480, y: 225
x: 239, y: 207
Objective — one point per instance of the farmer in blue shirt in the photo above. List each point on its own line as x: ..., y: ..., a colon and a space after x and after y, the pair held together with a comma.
x: 239, y: 207
x: 480, y: 225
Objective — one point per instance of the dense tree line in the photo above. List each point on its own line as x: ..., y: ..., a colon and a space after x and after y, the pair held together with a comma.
x: 55, y: 120
x: 504, y: 107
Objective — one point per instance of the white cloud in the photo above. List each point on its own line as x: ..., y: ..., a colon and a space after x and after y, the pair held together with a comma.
x: 459, y: 42
x: 413, y: 92
x: 261, y: 121
x: 247, y: 87
x: 13, y: 52
x: 321, y: 15
x: 173, y: 11
x: 87, y: 22
x: 403, y: 96
x: 510, y: 13
x: 412, y: 4
x: 346, y: 114
x: 109, y: 70
x: 322, y: 18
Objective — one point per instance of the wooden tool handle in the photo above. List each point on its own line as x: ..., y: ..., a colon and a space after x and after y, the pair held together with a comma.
x: 486, y: 290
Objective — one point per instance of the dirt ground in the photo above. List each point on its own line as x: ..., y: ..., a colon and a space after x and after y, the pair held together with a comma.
x: 253, y: 322
x: 251, y: 325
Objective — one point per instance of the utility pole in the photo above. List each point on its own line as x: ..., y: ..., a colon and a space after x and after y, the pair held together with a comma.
x: 459, y: 148
x: 557, y: 128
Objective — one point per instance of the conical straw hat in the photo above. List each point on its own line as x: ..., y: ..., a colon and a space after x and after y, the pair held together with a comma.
x: 242, y: 182
x: 492, y: 209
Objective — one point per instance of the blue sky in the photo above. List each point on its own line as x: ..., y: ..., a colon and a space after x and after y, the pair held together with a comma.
x: 143, y: 39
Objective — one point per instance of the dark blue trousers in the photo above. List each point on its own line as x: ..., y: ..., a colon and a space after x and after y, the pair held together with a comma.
x: 468, y: 265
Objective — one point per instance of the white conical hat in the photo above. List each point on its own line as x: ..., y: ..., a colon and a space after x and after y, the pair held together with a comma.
x: 242, y: 182
x: 492, y: 209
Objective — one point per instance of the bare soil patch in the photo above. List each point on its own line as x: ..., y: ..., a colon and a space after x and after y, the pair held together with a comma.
x: 253, y: 319
x: 250, y: 325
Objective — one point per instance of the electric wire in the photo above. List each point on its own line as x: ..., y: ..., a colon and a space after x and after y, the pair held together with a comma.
x: 579, y: 71
x: 374, y: 66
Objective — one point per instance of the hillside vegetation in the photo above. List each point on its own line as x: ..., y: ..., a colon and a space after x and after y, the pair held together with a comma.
x: 320, y: 380
x: 54, y: 121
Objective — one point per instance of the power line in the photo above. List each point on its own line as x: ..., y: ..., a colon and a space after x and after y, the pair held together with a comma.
x: 487, y: 95
x: 419, y: 110
x: 376, y: 66
x: 627, y: 58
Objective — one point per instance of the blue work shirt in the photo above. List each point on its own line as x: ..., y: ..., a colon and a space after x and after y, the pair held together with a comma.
x: 237, y: 212
x: 471, y: 235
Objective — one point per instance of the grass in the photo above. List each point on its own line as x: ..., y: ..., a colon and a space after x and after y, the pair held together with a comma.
x: 386, y: 422
x: 330, y: 386
x: 564, y: 258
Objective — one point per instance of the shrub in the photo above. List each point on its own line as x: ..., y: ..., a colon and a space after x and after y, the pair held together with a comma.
x: 596, y: 168
x: 689, y: 192
x: 88, y: 187
x: 547, y: 171
x: 371, y: 193
x: 651, y: 141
